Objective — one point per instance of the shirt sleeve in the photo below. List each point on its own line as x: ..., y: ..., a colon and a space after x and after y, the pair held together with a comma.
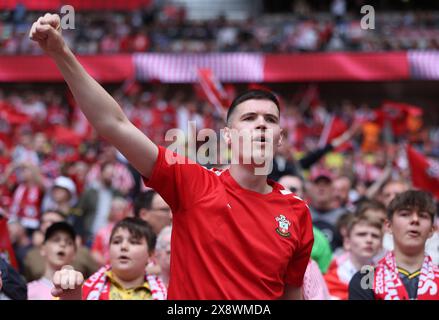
x: 180, y: 181
x: 297, y: 266
x: 356, y: 292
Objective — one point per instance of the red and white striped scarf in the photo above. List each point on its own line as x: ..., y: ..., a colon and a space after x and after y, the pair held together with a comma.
x: 25, y: 205
x: 97, y: 287
x: 388, y: 285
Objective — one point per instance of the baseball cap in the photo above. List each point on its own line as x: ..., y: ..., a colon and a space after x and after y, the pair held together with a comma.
x: 66, y: 183
x: 60, y: 226
x: 69, y: 185
x: 321, y: 174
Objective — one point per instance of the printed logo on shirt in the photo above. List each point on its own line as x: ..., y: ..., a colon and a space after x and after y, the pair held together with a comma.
x: 283, y: 226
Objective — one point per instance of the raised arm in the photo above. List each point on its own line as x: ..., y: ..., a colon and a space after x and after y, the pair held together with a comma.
x: 99, y: 107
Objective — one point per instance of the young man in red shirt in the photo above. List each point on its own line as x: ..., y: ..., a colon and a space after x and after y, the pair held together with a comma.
x: 236, y: 235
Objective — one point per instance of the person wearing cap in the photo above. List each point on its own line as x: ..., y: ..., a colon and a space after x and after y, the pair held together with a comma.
x: 58, y: 250
x: 34, y: 264
x: 62, y: 196
x: 324, y: 214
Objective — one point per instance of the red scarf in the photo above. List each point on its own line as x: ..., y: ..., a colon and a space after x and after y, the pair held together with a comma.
x: 97, y: 287
x: 388, y: 285
x: 337, y: 278
x: 26, y: 204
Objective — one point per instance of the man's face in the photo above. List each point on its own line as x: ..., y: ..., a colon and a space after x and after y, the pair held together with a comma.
x: 364, y: 241
x: 321, y: 193
x: 391, y: 190
x: 48, y: 219
x: 60, y: 195
x: 411, y: 228
x: 341, y: 186
x: 258, y: 122
x: 159, y: 216
x: 59, y: 250
x: 294, y: 184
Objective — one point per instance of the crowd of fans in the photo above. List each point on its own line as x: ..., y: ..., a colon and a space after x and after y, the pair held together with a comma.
x: 167, y: 29
x: 54, y: 168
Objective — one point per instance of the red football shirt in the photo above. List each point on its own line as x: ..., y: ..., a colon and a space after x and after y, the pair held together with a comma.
x: 229, y: 242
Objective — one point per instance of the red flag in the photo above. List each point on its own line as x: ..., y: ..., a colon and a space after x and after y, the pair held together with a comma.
x: 14, y: 116
x: 213, y: 90
x: 6, y: 250
x: 334, y: 127
x: 398, y: 115
x: 424, y: 171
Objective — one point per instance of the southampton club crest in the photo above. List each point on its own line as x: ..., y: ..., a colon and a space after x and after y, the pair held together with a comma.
x: 283, y: 226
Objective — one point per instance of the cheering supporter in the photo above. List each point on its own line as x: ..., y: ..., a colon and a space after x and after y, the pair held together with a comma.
x: 58, y: 250
x: 78, y: 171
x: 34, y: 264
x: 407, y: 272
x: 251, y: 111
x: 28, y: 194
x: 132, y: 243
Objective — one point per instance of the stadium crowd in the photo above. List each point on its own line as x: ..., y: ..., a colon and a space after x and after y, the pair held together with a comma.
x: 55, y: 168
x: 167, y: 29
x: 67, y: 197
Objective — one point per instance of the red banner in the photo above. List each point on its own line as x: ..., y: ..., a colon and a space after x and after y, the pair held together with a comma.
x: 111, y: 68
x: 41, y: 5
x: 228, y: 67
x: 336, y: 67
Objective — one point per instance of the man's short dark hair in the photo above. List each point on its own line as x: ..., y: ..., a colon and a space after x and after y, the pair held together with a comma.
x: 138, y: 228
x: 412, y: 199
x: 143, y: 201
x: 254, y: 94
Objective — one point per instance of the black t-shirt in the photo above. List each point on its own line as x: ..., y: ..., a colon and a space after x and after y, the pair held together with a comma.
x: 410, y: 282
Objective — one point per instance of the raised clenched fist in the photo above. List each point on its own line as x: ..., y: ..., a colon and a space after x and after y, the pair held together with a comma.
x: 47, y: 32
x: 67, y: 283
